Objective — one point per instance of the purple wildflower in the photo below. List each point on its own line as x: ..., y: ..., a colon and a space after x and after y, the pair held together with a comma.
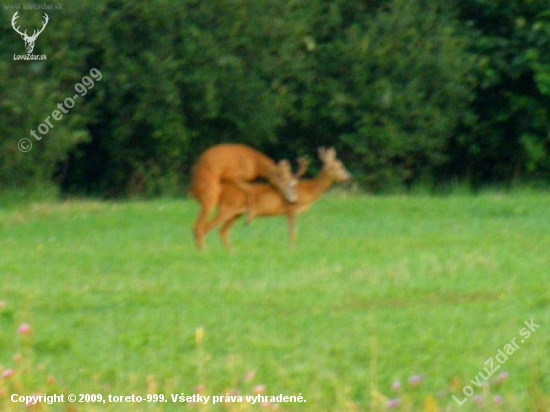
x: 416, y: 380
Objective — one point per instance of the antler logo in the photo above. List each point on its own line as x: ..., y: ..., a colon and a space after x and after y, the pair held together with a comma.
x: 29, y: 40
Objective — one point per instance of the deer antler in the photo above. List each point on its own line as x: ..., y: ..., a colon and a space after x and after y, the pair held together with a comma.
x: 29, y: 40
x: 303, y: 164
x: 284, y: 167
x: 321, y: 151
x: 35, y: 33
x: 47, y: 19
x: 15, y: 17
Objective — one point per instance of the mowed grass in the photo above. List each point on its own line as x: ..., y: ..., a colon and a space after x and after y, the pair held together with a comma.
x: 378, y: 289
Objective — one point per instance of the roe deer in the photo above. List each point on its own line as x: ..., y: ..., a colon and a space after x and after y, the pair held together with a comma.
x: 268, y: 202
x: 236, y: 164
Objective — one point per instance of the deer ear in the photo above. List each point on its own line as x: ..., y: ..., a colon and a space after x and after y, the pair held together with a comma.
x: 331, y: 153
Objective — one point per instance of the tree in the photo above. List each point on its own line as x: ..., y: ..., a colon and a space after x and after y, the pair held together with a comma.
x: 394, y: 86
x: 510, y: 137
x: 28, y: 96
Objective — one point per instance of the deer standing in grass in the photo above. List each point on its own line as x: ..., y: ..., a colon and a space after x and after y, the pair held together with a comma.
x: 268, y: 202
x: 235, y: 165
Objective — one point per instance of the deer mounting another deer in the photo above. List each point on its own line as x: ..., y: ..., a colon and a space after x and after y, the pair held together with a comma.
x: 235, y: 165
x: 268, y: 202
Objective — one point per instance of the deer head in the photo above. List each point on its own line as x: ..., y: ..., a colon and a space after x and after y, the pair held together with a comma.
x: 285, y: 181
x: 333, y: 166
x: 29, y: 40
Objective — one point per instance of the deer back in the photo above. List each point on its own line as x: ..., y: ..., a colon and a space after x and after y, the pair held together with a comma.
x: 236, y: 162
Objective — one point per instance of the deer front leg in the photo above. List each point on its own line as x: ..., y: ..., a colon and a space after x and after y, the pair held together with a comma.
x: 291, y: 220
x: 224, y: 231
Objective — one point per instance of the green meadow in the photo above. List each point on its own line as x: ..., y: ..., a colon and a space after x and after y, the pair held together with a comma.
x: 390, y: 302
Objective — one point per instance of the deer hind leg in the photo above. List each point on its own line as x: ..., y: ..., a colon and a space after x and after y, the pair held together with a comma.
x: 250, y: 201
x: 221, y: 217
x: 199, y: 228
x: 224, y: 231
x: 208, y: 201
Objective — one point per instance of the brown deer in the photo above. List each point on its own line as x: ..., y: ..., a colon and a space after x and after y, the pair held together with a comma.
x: 237, y: 165
x: 268, y: 202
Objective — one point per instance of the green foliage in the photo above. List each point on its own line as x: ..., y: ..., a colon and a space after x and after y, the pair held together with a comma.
x: 409, y: 87
x: 512, y: 102
x: 407, y: 91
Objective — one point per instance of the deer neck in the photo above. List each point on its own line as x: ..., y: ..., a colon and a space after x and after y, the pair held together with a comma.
x: 267, y: 169
x: 314, y: 188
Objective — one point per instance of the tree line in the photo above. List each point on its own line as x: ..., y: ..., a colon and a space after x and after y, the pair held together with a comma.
x: 407, y: 91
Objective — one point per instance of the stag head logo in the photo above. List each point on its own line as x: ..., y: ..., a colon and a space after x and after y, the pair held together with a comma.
x: 29, y: 40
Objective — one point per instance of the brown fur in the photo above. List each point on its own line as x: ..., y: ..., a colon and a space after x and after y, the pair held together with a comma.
x: 268, y: 202
x: 235, y: 164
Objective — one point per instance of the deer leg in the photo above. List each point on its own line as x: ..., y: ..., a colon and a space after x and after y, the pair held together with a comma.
x: 250, y: 201
x: 224, y: 231
x: 291, y: 220
x: 222, y: 217
x: 208, y: 202
x: 198, y: 229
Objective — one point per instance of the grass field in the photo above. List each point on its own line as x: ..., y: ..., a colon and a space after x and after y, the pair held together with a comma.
x: 417, y: 290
